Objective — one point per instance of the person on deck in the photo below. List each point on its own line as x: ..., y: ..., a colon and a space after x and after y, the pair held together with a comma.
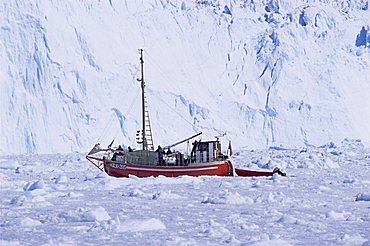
x: 218, y: 153
x: 160, y: 155
x: 192, y: 153
x: 118, y: 155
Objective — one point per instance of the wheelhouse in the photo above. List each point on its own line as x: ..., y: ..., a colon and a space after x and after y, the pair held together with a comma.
x: 207, y: 151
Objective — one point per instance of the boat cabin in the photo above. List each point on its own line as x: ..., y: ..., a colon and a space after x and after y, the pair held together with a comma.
x: 202, y: 152
x: 207, y: 151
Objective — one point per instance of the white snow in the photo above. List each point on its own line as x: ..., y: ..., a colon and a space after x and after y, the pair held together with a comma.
x: 34, y: 186
x: 25, y: 222
x: 287, y: 81
x: 9, y: 243
x: 226, y: 198
x: 141, y: 225
x: 337, y: 215
x: 272, y: 242
x: 74, y: 203
x: 85, y: 215
x: 8, y: 164
x: 363, y: 197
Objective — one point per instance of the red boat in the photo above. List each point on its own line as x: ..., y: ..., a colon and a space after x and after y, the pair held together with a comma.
x: 124, y: 169
x: 205, y: 157
x: 250, y: 173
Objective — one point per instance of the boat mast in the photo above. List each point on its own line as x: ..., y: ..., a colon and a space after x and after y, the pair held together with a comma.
x: 145, y: 146
x: 147, y: 136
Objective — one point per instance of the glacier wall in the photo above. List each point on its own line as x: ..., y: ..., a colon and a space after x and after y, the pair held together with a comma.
x: 268, y: 73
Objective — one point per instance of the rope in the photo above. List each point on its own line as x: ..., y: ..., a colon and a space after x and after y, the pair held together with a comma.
x: 129, y: 111
x: 126, y: 34
x: 155, y: 63
x: 171, y: 84
x: 104, y: 132
x: 196, y: 128
x: 105, y: 128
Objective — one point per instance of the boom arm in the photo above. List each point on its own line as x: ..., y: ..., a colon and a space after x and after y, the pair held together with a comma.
x: 173, y: 145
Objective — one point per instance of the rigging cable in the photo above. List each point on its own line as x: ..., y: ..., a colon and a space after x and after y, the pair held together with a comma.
x: 104, y: 132
x: 155, y: 63
x: 166, y: 78
x: 129, y: 110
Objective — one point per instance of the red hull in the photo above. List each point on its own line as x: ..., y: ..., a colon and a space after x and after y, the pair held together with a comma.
x: 119, y: 169
x: 249, y: 173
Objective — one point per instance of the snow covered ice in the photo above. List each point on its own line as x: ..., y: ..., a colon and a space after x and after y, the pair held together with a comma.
x: 64, y: 200
x: 288, y: 81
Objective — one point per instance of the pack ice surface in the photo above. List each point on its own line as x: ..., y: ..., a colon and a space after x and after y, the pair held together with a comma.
x: 62, y: 200
x: 287, y: 77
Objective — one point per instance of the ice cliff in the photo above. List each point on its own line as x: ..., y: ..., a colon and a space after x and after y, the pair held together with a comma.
x: 268, y: 73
